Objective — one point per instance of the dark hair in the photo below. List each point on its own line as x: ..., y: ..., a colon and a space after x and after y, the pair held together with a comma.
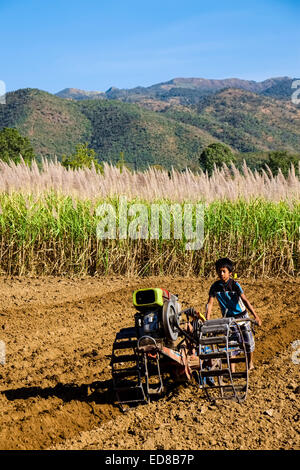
x: 224, y: 263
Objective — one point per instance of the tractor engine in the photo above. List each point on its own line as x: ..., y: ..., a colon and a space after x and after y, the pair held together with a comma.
x: 170, y: 345
x: 158, y: 314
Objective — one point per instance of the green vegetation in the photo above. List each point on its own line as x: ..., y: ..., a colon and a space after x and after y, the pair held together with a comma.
x: 283, y: 161
x: 145, y: 137
x: 171, y: 135
x: 255, y: 161
x: 83, y: 157
x: 252, y: 217
x: 53, y: 125
x: 215, y: 155
x: 13, y: 146
x: 48, y: 220
x: 52, y: 234
x: 121, y: 164
x: 245, y: 121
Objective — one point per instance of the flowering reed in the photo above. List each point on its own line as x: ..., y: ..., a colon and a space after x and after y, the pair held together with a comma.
x: 48, y: 221
x: 153, y: 184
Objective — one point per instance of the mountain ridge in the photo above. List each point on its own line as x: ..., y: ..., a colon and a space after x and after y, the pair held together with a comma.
x: 197, y: 84
x: 169, y: 130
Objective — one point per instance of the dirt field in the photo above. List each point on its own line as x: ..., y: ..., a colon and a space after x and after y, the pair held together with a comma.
x: 54, y: 386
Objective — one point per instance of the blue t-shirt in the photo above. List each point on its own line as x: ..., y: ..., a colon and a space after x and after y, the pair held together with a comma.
x: 229, y: 297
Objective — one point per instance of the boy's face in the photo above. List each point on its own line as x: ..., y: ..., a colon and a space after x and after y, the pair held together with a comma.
x: 224, y: 274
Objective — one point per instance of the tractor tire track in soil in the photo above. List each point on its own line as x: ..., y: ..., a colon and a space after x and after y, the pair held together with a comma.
x: 55, y: 384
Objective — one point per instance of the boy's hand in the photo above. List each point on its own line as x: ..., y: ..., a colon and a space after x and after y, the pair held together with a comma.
x: 258, y: 320
x: 251, y: 309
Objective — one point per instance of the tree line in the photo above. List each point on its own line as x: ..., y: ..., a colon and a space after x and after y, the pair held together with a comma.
x: 13, y: 147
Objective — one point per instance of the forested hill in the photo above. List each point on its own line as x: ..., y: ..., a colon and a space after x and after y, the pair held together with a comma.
x: 55, y: 125
x: 169, y: 132
x: 246, y: 121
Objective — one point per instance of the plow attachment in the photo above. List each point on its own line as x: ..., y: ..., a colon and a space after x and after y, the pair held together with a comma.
x: 223, y: 364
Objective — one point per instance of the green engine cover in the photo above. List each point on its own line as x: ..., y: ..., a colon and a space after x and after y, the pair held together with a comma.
x: 148, y: 297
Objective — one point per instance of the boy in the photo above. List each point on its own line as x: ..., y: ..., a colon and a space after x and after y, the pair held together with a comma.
x: 233, y: 303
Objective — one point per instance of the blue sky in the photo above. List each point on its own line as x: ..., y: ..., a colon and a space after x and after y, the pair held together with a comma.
x: 93, y: 45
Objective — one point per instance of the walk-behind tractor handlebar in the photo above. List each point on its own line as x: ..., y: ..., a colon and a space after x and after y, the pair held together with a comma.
x: 167, y: 343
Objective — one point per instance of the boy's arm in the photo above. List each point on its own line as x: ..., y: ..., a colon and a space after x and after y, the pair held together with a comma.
x: 209, y: 306
x: 251, y: 309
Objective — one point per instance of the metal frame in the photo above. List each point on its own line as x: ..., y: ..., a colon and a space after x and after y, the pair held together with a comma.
x: 203, y: 348
x: 223, y: 350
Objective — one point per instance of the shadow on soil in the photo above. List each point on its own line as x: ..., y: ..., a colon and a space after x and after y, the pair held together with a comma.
x: 99, y: 392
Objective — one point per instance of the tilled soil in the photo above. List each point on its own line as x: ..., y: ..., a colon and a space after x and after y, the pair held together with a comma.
x: 55, y: 384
